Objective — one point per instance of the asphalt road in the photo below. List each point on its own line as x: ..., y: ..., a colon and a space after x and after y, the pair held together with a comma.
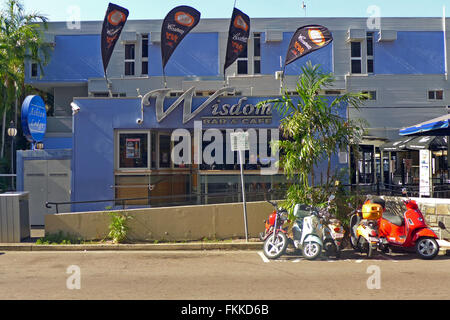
x: 218, y: 275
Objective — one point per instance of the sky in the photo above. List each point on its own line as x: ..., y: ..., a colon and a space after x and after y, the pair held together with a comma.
x: 63, y: 10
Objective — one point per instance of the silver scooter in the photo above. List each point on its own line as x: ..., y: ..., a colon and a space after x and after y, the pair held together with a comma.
x: 307, y: 231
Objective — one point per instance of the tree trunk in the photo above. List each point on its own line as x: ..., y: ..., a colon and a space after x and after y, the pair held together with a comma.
x: 328, y: 170
x: 2, y: 151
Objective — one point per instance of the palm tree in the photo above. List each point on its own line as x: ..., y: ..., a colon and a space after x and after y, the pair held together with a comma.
x: 312, y: 129
x: 21, y: 39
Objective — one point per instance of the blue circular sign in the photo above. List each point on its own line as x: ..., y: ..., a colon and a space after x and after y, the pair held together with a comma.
x: 34, y: 118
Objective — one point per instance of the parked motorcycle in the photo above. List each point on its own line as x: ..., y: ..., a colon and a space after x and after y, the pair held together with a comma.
x: 333, y: 231
x: 275, y: 235
x: 364, y: 227
x: 409, y: 232
x: 307, y: 231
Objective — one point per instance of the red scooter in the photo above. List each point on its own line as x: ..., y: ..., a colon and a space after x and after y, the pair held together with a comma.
x: 408, y: 232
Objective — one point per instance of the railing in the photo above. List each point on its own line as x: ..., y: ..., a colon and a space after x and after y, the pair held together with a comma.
x: 183, y: 199
x: 230, y: 196
x: 439, y: 191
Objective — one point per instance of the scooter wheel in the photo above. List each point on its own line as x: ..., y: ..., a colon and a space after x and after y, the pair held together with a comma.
x: 427, y: 248
x: 275, y: 246
x: 311, y: 250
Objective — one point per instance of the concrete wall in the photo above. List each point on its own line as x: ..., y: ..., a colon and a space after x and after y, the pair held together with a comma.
x: 434, y: 210
x: 220, y: 221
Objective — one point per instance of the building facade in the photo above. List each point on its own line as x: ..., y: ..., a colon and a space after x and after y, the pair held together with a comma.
x: 402, y: 66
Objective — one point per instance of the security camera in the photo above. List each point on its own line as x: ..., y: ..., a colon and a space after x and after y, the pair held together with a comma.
x: 139, y: 121
x: 75, y: 108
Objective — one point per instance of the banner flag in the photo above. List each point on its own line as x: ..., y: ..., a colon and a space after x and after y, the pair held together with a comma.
x: 177, y: 24
x: 306, y: 40
x: 114, y: 22
x: 237, y: 36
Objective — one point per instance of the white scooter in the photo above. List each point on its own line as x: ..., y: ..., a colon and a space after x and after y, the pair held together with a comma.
x: 333, y: 231
x: 306, y: 232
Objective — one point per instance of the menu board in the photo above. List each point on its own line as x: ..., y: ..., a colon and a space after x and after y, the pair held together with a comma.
x: 425, y: 173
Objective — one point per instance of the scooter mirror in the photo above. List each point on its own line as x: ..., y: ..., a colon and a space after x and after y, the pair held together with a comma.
x: 441, y: 225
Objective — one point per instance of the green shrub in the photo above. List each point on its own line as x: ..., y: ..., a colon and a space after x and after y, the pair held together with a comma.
x: 118, y: 228
x: 59, y: 238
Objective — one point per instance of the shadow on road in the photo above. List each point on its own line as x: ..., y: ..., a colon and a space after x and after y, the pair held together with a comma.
x: 350, y: 254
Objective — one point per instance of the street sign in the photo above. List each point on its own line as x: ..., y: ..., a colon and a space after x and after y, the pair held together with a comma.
x: 239, y: 141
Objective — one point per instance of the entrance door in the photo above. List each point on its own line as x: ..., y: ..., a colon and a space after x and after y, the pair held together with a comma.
x: 46, y: 180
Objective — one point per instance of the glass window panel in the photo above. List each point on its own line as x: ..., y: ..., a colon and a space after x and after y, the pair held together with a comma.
x: 370, y: 44
x: 257, y: 67
x: 34, y: 69
x: 145, y: 47
x: 133, y: 150
x: 431, y: 95
x: 356, y: 49
x: 153, y: 157
x: 439, y: 95
x: 129, y: 68
x: 145, y: 67
x: 356, y: 66
x: 370, y: 66
x: 164, y: 151
x: 257, y: 45
x: 242, y: 67
x: 129, y: 51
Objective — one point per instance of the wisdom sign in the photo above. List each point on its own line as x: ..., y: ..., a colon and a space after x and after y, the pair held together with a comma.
x: 34, y: 118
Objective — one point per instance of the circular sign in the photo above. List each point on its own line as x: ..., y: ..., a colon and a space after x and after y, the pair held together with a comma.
x: 34, y: 118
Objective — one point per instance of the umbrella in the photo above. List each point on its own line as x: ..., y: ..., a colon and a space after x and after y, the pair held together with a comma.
x: 436, y: 127
x: 427, y: 143
x: 397, y: 145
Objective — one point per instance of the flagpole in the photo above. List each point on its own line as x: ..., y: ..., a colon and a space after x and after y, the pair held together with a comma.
x: 108, y: 85
x: 444, y: 27
x: 164, y: 77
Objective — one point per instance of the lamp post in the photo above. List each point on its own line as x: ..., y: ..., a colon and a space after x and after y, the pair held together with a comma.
x: 12, y: 132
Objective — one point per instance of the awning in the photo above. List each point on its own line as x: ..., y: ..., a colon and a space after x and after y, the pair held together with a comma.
x: 427, y: 143
x: 436, y: 127
x: 397, y: 145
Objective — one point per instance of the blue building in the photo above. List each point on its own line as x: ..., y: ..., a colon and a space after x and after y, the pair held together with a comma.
x: 402, y: 65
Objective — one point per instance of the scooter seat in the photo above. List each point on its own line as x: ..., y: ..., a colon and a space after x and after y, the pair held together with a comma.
x: 393, y: 218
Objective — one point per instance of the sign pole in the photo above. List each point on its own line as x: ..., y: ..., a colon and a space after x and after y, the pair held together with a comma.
x: 243, y: 194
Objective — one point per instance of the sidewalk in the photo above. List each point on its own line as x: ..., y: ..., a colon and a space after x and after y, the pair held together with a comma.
x: 239, y: 244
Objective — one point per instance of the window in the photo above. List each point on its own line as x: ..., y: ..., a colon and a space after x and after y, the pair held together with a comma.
x: 242, y: 62
x: 164, y: 150
x: 133, y: 150
x: 356, y: 59
x: 249, y: 61
x: 34, y: 70
x: 144, y: 54
x: 101, y: 94
x: 129, y: 59
x: 370, y: 52
x: 372, y: 95
x: 119, y: 95
x: 332, y: 92
x: 257, y: 53
x: 436, y: 95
